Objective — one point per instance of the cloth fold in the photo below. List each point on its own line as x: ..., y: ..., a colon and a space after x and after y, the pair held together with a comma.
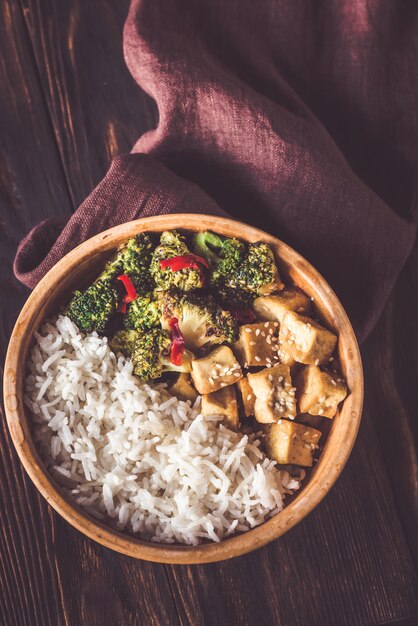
x: 296, y: 119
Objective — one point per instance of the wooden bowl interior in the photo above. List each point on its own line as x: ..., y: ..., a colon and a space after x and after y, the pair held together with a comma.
x: 82, y: 265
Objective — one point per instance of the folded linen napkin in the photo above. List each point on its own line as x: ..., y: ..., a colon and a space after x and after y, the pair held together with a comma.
x: 299, y: 118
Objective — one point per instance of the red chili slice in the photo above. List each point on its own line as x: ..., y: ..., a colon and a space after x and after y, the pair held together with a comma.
x: 122, y: 307
x: 177, y: 346
x: 131, y: 293
x: 243, y: 316
x: 182, y: 262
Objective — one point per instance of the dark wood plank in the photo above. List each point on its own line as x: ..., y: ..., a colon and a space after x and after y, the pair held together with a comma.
x: 100, y: 587
x: 96, y: 109
x: 32, y: 184
x: 349, y: 562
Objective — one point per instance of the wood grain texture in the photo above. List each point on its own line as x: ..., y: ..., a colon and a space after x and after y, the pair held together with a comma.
x: 350, y: 561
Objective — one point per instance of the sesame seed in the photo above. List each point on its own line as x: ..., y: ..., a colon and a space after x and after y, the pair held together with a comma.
x: 313, y: 299
x: 317, y: 362
x: 268, y: 359
x: 268, y: 339
x: 270, y: 377
x: 263, y: 334
x: 271, y: 331
x: 224, y: 384
x: 266, y: 325
x: 320, y: 411
x: 333, y: 383
x: 249, y: 397
x: 331, y: 358
x: 248, y: 329
x: 275, y: 324
x: 280, y: 379
x: 237, y: 374
x: 211, y: 380
x: 253, y: 343
x: 257, y: 332
x: 257, y: 358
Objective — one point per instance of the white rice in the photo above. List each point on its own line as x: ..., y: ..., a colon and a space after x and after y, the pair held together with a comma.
x: 135, y: 456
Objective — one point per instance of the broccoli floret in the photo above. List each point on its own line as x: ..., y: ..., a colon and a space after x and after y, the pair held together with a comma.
x: 123, y: 341
x: 228, y: 252
x: 173, y: 244
x: 134, y: 260
x: 201, y: 320
x: 150, y: 352
x: 238, y: 273
x: 93, y: 308
x: 144, y: 312
x: 259, y: 272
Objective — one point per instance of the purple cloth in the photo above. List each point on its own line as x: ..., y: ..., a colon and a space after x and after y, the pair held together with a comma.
x: 300, y: 118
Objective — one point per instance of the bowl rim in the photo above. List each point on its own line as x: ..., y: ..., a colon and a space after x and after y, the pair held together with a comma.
x: 303, y: 503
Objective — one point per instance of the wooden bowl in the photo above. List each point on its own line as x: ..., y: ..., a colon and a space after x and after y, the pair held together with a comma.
x: 81, y: 265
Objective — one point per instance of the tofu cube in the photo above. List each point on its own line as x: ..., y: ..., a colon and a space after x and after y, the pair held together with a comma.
x: 275, y: 396
x: 183, y: 388
x: 222, y: 402
x: 292, y: 443
x: 319, y: 393
x: 305, y: 340
x: 283, y: 356
x: 275, y: 306
x: 217, y: 369
x: 247, y: 395
x: 257, y: 344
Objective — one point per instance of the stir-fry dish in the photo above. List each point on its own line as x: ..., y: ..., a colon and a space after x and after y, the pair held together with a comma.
x: 207, y: 320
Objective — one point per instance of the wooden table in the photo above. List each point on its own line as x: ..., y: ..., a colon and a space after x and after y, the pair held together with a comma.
x: 67, y: 106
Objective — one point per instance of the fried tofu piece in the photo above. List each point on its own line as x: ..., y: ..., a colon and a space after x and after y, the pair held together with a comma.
x: 222, y: 402
x: 217, y: 369
x: 319, y: 393
x: 305, y: 340
x: 257, y: 343
x: 183, y: 388
x: 247, y: 395
x: 283, y: 356
x: 275, y: 396
x: 275, y: 306
x: 292, y: 443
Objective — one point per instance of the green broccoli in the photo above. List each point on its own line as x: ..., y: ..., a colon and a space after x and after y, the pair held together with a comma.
x: 201, y: 320
x: 123, y: 340
x: 144, y: 312
x: 216, y: 249
x: 93, y: 308
x: 259, y: 272
x: 238, y: 273
x: 150, y: 352
x: 173, y: 244
x: 135, y: 258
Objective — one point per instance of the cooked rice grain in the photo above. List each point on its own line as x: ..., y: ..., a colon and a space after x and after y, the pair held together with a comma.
x: 132, y: 454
